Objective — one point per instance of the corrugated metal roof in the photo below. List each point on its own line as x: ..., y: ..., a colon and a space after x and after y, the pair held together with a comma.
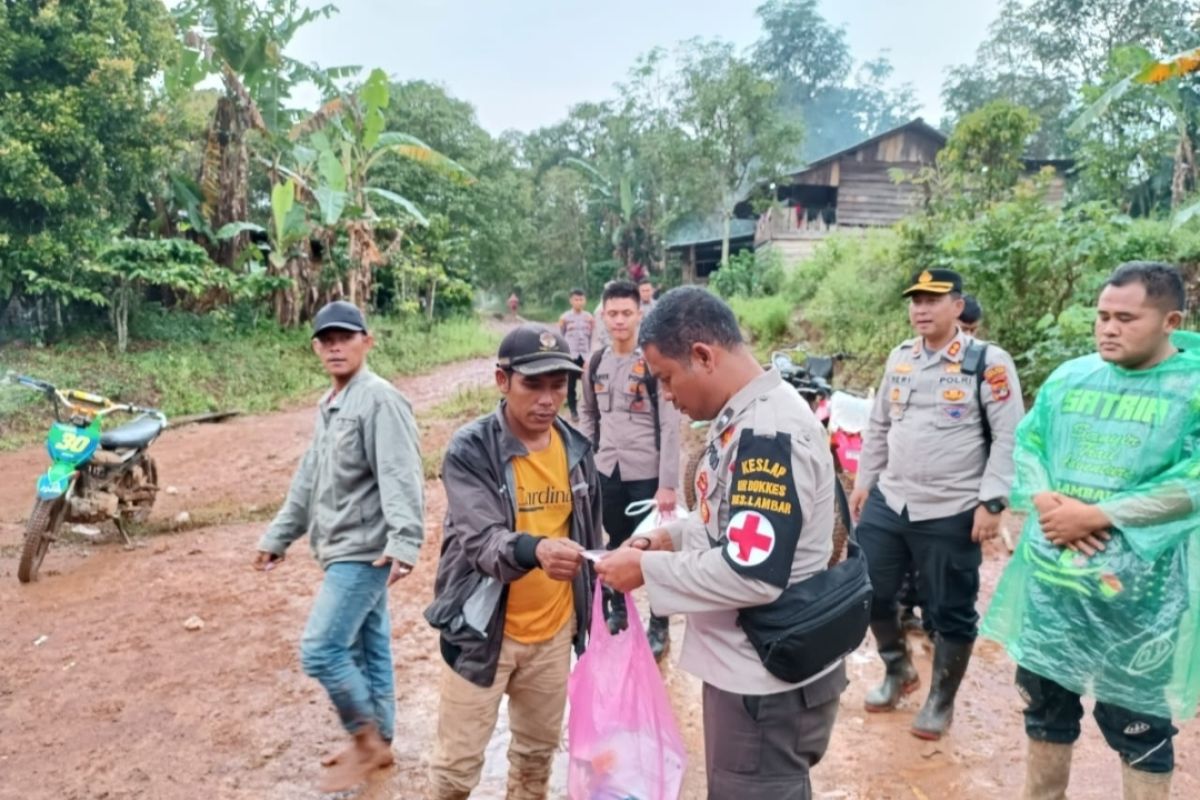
x: 698, y: 230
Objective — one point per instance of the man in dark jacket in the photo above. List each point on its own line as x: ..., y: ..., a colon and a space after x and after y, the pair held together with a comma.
x: 512, y: 593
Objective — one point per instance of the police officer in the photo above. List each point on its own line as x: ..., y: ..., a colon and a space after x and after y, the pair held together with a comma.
x: 764, y: 521
x: 577, y: 327
x: 968, y: 322
x: 635, y: 432
x: 933, y: 479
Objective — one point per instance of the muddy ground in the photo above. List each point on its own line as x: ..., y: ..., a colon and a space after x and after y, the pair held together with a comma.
x: 104, y: 694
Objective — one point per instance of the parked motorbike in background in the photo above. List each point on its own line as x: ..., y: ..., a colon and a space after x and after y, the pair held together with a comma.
x: 94, y: 475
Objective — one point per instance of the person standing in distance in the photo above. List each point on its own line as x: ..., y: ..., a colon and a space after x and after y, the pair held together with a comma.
x: 577, y: 327
x: 933, y: 480
x: 764, y: 522
x: 359, y: 495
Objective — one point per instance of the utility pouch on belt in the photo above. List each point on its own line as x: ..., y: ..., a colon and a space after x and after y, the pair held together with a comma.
x: 814, y: 622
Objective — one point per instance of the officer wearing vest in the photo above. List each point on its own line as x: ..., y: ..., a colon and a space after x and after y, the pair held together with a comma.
x: 933, y: 478
x: 764, y: 523
x: 635, y: 433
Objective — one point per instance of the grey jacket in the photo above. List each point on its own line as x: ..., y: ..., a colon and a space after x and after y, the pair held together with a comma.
x: 481, y: 551
x: 359, y: 491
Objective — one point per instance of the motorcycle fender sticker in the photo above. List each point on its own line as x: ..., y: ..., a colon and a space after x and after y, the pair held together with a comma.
x: 55, y: 482
x: 71, y: 445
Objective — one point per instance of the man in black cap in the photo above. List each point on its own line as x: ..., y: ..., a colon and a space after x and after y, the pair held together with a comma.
x: 972, y: 315
x: 513, y: 595
x: 359, y: 495
x: 933, y: 478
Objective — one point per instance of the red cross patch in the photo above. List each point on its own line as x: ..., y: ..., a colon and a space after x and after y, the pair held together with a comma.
x: 751, y: 538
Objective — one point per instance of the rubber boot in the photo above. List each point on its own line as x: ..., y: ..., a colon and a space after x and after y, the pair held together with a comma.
x: 1047, y: 770
x: 1139, y: 785
x: 658, y: 634
x: 901, y: 676
x: 950, y: 661
x: 618, y: 616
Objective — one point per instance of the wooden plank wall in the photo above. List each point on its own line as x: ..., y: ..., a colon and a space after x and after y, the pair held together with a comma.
x: 867, y: 195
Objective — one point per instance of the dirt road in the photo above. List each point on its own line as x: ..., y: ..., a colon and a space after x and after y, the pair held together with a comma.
x: 104, y: 695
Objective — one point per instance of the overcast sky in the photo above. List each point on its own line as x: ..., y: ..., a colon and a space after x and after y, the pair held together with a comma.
x: 524, y: 63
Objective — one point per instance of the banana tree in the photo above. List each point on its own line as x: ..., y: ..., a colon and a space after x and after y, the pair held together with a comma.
x: 334, y: 155
x: 241, y: 42
x: 1163, y: 77
x: 626, y: 213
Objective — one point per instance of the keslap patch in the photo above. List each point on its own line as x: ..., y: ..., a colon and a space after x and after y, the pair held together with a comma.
x: 764, y: 509
x: 902, y: 368
x: 954, y: 369
x: 953, y: 395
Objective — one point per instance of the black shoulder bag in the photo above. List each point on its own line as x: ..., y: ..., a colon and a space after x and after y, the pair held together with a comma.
x: 814, y: 622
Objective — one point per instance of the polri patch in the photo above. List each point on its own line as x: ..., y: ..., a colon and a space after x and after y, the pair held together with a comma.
x: 764, y: 509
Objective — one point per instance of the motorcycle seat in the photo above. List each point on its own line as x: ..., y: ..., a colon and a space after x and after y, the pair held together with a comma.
x: 136, y: 434
x: 820, y: 367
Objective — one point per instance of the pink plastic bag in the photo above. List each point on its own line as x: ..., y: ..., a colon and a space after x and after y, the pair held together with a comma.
x: 622, y: 736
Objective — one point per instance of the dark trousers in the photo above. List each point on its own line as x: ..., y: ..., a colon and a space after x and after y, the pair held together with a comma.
x: 615, y: 495
x: 1053, y: 713
x: 573, y: 393
x: 763, y: 746
x: 947, y: 566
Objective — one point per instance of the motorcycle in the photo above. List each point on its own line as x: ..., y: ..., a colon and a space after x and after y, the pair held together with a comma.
x: 842, y: 413
x: 94, y: 475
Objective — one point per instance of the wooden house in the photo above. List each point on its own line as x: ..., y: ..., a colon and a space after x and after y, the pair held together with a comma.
x: 857, y: 188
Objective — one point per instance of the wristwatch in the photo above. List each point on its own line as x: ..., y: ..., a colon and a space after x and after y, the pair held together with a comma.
x: 995, y: 505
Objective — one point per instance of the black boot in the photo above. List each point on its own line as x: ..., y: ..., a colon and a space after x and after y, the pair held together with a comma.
x: 618, y: 617
x: 950, y: 661
x: 658, y: 634
x: 901, y: 676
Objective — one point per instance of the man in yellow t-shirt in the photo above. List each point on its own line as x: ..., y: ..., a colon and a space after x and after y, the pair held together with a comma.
x: 513, y: 591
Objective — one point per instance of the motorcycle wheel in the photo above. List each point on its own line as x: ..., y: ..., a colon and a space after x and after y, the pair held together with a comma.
x: 841, y: 520
x: 44, y: 521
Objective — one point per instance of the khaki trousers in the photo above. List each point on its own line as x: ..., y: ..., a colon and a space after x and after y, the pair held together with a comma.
x: 534, y: 676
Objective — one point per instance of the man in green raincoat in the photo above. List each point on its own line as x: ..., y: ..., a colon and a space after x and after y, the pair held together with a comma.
x: 1102, y: 596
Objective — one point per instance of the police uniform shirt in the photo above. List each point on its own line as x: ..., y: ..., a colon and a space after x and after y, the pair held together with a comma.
x: 577, y: 328
x: 620, y: 399
x: 925, y: 445
x: 764, y: 520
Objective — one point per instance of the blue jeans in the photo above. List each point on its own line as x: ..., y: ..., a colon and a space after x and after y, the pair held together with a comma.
x: 347, y: 645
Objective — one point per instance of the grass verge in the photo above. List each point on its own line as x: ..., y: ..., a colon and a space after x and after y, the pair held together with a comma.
x: 192, y: 364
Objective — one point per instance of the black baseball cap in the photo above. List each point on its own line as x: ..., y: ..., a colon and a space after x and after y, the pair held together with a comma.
x: 535, y: 350
x: 339, y: 315
x: 935, y: 281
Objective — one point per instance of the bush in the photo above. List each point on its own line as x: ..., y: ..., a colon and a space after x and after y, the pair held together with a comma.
x: 749, y: 274
x: 766, y: 319
x: 850, y: 296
